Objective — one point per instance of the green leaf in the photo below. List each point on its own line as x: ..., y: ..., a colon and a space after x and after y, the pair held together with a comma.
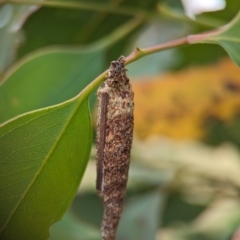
x: 71, y: 228
x: 46, y: 78
x: 43, y: 157
x: 50, y: 26
x: 140, y: 217
x: 228, y: 37
x: 51, y: 76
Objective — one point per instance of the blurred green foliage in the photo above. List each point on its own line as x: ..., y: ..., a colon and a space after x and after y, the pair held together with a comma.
x: 49, y: 55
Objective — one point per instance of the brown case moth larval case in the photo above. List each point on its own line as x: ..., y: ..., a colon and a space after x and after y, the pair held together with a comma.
x: 114, y: 141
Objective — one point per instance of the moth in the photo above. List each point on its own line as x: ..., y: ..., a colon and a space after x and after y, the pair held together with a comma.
x: 114, y: 141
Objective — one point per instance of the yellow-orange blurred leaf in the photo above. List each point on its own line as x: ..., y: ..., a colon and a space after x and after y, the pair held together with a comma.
x: 178, y: 105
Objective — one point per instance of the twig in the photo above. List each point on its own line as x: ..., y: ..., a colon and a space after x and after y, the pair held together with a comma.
x: 136, y: 54
x: 139, y: 53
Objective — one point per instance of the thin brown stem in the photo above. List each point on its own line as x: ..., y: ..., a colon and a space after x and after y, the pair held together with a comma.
x: 136, y: 54
x: 139, y: 53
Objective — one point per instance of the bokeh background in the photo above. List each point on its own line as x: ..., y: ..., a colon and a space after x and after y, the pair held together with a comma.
x: 184, y: 180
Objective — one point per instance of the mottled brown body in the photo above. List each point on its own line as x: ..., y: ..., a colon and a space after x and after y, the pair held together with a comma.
x: 114, y: 141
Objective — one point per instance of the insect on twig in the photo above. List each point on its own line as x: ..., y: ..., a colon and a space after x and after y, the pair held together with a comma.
x: 114, y: 141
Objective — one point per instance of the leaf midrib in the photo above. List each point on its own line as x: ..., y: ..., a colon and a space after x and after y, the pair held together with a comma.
x: 79, y: 103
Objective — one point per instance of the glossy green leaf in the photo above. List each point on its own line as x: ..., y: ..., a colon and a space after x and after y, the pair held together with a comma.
x: 228, y: 37
x: 140, y: 217
x: 51, y: 76
x: 46, y: 78
x: 43, y: 157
